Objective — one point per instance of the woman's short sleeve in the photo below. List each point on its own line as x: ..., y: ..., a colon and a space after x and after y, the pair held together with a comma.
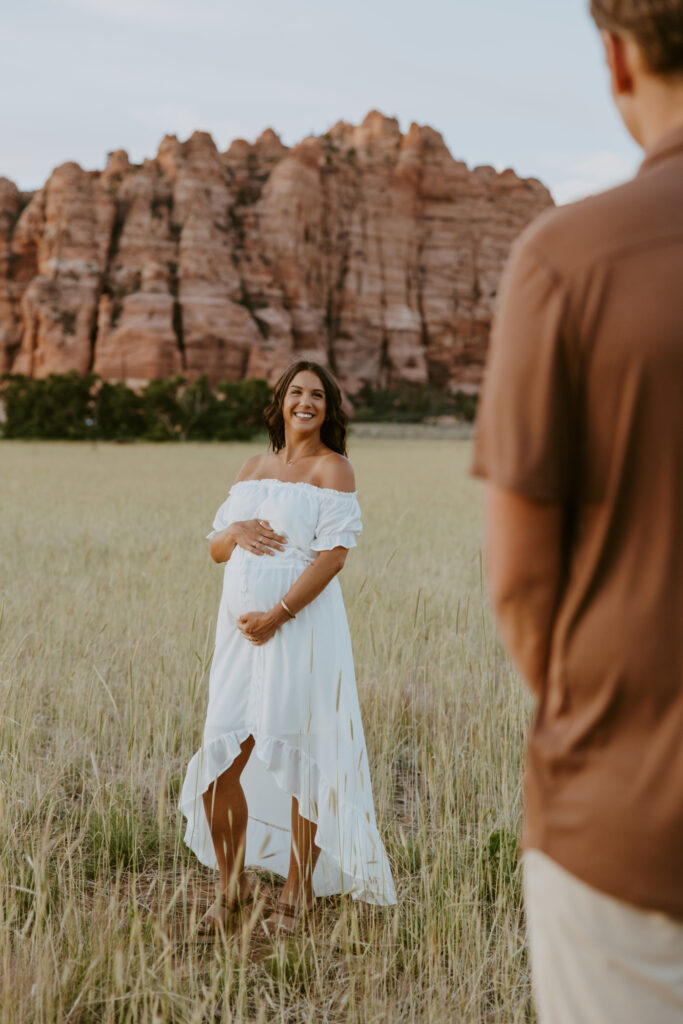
x: 222, y: 519
x: 339, y: 521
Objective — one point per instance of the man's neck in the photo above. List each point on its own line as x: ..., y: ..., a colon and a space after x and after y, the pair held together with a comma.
x: 661, y: 111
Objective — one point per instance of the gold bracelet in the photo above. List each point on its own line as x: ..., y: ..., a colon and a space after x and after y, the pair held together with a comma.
x: 288, y: 610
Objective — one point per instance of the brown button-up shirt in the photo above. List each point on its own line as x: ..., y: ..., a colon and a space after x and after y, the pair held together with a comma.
x: 582, y: 406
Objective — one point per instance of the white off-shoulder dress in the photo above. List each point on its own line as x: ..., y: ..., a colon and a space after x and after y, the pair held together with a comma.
x: 296, y: 695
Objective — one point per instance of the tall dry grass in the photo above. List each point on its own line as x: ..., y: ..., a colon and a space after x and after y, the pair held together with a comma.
x: 108, y: 613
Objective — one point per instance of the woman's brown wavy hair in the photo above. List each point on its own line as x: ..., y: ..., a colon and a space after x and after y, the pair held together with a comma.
x: 333, y: 430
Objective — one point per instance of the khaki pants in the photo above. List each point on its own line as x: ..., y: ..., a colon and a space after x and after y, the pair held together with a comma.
x: 594, y: 959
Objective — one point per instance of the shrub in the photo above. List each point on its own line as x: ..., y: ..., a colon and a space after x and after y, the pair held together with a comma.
x: 118, y: 413
x: 163, y: 409
x: 409, y: 403
x: 58, y: 406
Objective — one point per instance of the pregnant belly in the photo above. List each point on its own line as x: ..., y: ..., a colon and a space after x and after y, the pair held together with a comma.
x: 249, y: 585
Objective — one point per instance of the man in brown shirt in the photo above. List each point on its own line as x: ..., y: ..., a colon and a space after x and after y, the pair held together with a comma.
x: 580, y: 438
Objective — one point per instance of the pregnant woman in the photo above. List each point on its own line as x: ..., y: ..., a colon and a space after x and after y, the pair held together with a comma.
x: 281, y: 780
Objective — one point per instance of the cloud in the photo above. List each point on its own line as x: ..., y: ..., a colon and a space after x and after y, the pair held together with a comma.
x: 593, y: 174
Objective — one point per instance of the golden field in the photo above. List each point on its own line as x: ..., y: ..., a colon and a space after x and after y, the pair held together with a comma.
x: 108, y: 613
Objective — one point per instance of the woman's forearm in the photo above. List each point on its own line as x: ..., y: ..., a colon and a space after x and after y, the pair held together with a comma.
x: 311, y: 583
x: 222, y: 545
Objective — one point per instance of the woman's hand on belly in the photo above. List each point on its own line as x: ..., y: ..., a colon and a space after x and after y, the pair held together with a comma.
x: 258, y: 537
x: 253, y: 535
x: 259, y: 627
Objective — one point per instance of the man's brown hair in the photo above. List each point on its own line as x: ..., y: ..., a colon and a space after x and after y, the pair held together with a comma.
x: 656, y: 26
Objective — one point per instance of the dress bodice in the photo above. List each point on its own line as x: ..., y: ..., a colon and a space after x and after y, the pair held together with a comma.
x: 311, y: 518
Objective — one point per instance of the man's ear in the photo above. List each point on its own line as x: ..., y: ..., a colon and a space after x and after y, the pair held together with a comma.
x: 618, y: 57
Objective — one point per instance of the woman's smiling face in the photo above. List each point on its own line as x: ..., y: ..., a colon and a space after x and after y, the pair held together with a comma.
x: 304, y: 405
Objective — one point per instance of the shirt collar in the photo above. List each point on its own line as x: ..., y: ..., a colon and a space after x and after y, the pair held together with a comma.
x: 667, y: 146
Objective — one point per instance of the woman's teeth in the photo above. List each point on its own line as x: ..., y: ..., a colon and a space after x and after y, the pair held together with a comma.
x: 304, y: 415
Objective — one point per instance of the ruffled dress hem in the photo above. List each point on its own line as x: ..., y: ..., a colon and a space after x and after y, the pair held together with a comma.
x: 288, y: 765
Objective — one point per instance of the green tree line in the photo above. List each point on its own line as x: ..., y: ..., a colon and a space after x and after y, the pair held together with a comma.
x: 410, y: 403
x: 73, y: 407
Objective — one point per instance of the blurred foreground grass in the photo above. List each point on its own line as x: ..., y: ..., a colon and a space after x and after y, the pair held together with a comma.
x: 108, y: 603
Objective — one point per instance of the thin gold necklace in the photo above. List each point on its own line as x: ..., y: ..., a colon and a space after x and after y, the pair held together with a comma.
x: 292, y: 462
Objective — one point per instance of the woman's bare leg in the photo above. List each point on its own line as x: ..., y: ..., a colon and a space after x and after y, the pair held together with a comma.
x: 298, y: 888
x: 226, y: 811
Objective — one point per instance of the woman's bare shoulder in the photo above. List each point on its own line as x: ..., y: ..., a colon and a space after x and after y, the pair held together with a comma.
x: 253, y: 468
x: 336, y: 472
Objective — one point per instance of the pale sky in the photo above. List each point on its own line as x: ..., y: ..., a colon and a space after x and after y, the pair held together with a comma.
x: 513, y: 83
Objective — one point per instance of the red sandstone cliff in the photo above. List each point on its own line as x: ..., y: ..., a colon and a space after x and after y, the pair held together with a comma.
x: 372, y: 251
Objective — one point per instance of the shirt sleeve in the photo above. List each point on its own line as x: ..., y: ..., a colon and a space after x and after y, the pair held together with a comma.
x: 525, y: 431
x: 339, y: 521
x: 222, y: 519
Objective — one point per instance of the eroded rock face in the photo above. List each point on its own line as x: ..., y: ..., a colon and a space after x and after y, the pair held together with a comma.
x: 10, y: 289
x: 375, y: 252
